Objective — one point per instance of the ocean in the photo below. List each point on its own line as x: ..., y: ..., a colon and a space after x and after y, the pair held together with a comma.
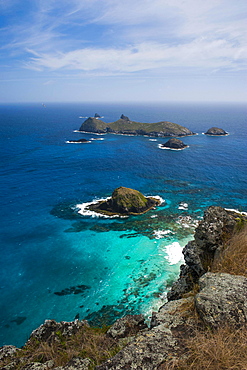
x: 59, y: 264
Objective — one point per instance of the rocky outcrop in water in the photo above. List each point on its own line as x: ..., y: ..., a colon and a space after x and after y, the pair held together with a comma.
x: 174, y: 144
x: 125, y: 201
x: 216, y: 131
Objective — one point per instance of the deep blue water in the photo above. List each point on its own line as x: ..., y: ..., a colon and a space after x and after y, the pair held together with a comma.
x: 57, y: 264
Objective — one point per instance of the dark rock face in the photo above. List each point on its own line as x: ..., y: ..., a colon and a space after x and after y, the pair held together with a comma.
x: 216, y: 131
x: 217, y: 223
x: 125, y: 201
x: 174, y: 144
x: 222, y: 299
x: 79, y: 141
x: 124, y: 117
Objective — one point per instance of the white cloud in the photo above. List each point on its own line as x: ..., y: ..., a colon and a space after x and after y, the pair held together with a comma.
x: 201, y: 53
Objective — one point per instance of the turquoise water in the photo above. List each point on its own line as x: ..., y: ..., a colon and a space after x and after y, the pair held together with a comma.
x: 58, y: 264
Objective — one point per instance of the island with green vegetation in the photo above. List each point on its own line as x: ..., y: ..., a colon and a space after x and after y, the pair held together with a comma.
x: 124, y: 126
x: 125, y: 202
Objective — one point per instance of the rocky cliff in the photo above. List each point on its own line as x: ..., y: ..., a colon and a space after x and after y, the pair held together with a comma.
x: 201, y: 301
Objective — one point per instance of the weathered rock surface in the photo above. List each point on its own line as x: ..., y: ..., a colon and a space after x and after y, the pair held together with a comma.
x: 216, y: 131
x: 125, y: 126
x: 48, y: 331
x: 145, y: 352
x: 76, y: 363
x: 174, y: 144
x: 127, y: 326
x: 173, y: 314
x: 125, y: 201
x: 7, y: 351
x: 217, y: 224
x: 222, y: 299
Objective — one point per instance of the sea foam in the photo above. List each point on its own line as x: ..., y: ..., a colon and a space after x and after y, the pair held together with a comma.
x: 174, y: 253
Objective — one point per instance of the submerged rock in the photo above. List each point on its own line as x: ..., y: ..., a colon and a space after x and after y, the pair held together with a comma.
x: 125, y: 201
x: 174, y: 144
x: 216, y: 131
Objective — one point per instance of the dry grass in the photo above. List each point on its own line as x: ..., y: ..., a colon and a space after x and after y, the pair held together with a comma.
x: 223, y: 349
x: 233, y: 257
x: 87, y: 343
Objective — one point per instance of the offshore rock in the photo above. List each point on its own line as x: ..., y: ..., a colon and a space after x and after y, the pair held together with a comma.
x: 216, y: 131
x: 222, y: 299
x: 217, y: 225
x: 174, y: 144
x: 127, y: 326
x: 125, y: 201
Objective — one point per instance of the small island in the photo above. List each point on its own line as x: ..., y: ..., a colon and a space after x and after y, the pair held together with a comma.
x: 173, y: 144
x: 125, y: 126
x: 124, y: 202
x: 215, y: 131
x: 80, y: 141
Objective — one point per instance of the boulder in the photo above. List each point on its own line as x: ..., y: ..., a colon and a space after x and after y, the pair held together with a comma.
x: 222, y: 300
x: 125, y: 201
x: 174, y: 144
x: 127, y: 326
x: 146, y: 352
x: 216, y: 131
x: 51, y: 330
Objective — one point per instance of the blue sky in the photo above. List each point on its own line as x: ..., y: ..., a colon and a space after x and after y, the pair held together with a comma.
x: 123, y: 50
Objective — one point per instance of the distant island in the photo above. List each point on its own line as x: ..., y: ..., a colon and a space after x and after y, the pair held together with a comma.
x: 124, y: 126
x: 216, y: 131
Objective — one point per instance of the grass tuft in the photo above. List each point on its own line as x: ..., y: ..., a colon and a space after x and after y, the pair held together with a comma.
x: 233, y: 258
x: 223, y: 349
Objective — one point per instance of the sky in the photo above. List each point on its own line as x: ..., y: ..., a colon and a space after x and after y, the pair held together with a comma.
x: 123, y: 51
